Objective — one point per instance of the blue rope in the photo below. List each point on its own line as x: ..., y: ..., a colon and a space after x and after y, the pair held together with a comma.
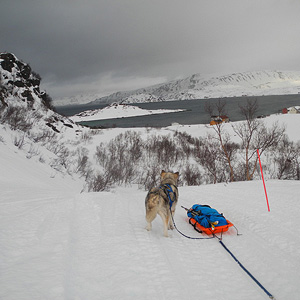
x: 220, y: 240
x: 256, y: 281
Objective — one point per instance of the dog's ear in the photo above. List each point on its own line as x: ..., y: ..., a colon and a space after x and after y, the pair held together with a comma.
x: 163, y: 172
x: 176, y: 175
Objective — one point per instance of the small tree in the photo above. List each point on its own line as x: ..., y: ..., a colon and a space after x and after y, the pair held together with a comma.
x: 222, y: 136
x: 255, y: 136
x: 208, y: 155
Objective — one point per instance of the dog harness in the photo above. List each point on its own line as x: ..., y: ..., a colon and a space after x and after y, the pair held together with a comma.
x: 167, y: 189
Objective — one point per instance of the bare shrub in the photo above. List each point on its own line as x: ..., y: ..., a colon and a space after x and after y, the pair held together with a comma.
x: 33, y: 151
x: 186, y: 143
x: 83, y: 164
x: 62, y: 161
x: 150, y: 178
x: 17, y: 118
x: 19, y: 141
x: 45, y: 137
x: 63, y: 156
x: 98, y: 183
x: 120, y: 157
x: 211, y: 157
x: 135, y: 145
x: 42, y: 159
x: 101, y: 154
x: 240, y: 174
x: 164, y: 150
x: 287, y: 160
x: 191, y: 175
x: 86, y: 137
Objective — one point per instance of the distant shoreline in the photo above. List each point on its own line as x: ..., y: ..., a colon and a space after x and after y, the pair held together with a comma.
x: 194, y: 111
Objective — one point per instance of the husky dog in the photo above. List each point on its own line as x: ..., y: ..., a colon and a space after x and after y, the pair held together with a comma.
x: 158, y: 201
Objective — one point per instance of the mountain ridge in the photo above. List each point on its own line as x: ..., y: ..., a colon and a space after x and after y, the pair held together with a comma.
x: 199, y: 86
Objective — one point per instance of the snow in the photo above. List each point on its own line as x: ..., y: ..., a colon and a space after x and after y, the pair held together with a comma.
x: 59, y: 243
x: 290, y: 122
x: 117, y: 111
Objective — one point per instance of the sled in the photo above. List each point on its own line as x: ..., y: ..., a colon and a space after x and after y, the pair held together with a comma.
x: 209, y: 231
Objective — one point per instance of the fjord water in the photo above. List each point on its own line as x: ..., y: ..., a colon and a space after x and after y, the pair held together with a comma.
x: 194, y: 111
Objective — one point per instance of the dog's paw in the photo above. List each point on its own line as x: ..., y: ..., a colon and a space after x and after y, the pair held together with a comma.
x: 148, y: 227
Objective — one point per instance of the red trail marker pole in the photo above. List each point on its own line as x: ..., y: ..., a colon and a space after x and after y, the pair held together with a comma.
x: 262, y: 176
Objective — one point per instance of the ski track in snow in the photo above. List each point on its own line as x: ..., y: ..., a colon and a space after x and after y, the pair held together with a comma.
x: 95, y: 246
x: 56, y: 243
x: 143, y: 264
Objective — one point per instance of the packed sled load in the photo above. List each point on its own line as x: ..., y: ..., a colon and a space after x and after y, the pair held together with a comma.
x: 208, y: 220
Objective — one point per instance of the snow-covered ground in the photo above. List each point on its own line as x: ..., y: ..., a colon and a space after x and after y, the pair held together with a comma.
x: 58, y: 243
x: 117, y: 111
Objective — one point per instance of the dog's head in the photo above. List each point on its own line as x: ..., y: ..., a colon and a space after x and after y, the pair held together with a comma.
x: 169, y: 177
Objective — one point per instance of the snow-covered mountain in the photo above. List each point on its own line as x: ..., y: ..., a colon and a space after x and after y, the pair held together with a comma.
x: 199, y: 86
x: 76, y: 99
x: 90, y: 98
x: 22, y: 102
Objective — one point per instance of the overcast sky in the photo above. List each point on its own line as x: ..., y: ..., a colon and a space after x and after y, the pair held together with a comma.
x: 104, y: 46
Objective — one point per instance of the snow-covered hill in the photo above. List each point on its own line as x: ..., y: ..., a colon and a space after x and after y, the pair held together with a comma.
x: 58, y: 243
x: 23, y: 104
x: 200, y: 86
x: 27, y: 120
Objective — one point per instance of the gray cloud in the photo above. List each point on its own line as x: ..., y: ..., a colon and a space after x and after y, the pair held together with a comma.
x: 96, y: 44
